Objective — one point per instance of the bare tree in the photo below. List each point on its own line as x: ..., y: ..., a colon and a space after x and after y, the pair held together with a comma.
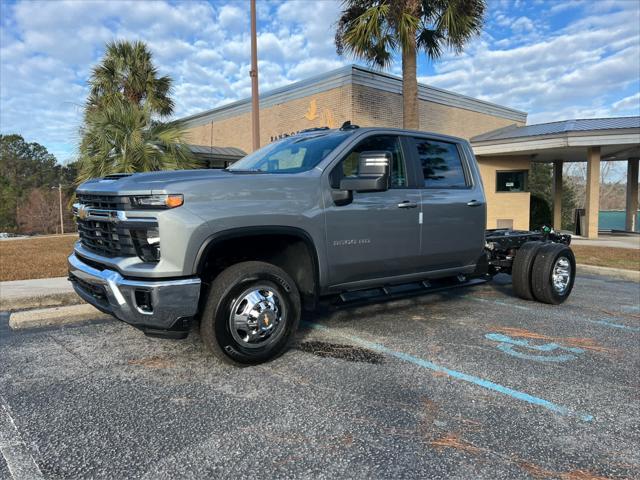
x: 612, y: 183
x: 40, y: 213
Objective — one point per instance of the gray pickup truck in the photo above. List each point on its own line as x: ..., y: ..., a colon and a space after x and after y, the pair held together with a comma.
x: 340, y: 215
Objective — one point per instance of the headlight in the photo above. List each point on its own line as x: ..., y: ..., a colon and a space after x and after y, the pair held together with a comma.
x: 147, y: 244
x: 157, y: 201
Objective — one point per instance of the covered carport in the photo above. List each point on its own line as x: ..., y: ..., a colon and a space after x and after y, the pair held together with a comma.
x: 216, y: 157
x: 584, y: 140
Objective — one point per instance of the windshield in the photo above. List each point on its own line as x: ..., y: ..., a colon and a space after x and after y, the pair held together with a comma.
x: 290, y: 155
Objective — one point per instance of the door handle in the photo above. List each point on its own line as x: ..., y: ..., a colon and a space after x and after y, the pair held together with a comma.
x: 474, y: 203
x: 407, y: 204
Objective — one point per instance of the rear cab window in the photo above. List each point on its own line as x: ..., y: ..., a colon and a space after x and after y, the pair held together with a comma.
x: 441, y: 164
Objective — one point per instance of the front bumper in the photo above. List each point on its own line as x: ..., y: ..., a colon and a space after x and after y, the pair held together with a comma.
x: 146, y: 304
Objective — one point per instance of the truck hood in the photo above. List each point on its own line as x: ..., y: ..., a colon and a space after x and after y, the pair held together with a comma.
x: 203, y: 184
x: 147, y: 183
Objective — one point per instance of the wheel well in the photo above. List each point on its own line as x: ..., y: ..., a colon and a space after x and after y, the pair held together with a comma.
x: 292, y: 252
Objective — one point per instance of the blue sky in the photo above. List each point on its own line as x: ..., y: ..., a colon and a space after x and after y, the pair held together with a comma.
x: 553, y: 59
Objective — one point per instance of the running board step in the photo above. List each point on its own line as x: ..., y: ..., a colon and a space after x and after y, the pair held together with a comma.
x: 389, y: 292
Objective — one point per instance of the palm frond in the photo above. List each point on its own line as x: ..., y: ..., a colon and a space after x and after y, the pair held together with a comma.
x: 127, y: 71
x: 449, y: 23
x: 123, y: 138
x: 365, y: 32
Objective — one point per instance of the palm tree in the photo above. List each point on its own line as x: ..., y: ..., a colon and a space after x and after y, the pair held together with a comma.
x: 127, y: 72
x: 121, y: 131
x: 123, y: 138
x: 374, y: 29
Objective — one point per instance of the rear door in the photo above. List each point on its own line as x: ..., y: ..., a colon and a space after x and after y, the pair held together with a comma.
x: 452, y: 204
x: 377, y: 234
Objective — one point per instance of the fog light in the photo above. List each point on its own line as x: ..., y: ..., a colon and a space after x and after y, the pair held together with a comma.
x: 143, y: 301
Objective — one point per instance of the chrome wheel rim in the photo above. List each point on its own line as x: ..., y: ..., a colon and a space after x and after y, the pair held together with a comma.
x: 561, y: 275
x: 256, y: 318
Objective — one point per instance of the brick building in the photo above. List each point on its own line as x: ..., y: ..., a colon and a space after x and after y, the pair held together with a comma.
x: 371, y: 98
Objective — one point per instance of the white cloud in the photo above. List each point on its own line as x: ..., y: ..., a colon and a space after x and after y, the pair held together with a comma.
x: 48, y: 49
x: 233, y: 19
x: 630, y: 104
x: 591, y: 67
x: 314, y: 66
x: 522, y: 24
x: 574, y: 71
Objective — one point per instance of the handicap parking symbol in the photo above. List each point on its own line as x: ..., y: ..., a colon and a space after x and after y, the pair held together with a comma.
x: 547, y: 352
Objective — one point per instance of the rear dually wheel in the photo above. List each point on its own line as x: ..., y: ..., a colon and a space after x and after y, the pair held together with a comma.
x: 553, y: 273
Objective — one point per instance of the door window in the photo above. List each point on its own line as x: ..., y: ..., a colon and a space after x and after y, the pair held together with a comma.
x: 348, y: 166
x: 440, y: 163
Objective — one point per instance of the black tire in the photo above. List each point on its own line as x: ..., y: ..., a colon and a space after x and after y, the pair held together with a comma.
x: 522, y: 267
x: 229, y: 288
x: 543, y: 268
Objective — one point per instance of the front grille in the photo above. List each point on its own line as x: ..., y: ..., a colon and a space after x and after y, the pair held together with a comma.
x: 106, y: 238
x: 107, y: 202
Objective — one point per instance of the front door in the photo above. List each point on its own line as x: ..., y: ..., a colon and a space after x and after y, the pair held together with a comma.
x: 377, y: 234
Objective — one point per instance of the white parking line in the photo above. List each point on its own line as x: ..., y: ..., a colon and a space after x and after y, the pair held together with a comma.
x: 15, y: 452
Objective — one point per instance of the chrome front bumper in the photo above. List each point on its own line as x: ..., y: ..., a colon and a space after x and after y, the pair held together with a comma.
x: 153, y: 304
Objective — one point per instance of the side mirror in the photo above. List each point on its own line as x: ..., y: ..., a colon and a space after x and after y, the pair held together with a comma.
x: 373, y: 173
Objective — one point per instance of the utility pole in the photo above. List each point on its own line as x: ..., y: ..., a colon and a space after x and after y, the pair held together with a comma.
x: 60, y: 204
x: 255, y: 104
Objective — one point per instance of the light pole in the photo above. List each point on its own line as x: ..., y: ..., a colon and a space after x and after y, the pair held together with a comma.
x: 255, y: 104
x: 59, y: 187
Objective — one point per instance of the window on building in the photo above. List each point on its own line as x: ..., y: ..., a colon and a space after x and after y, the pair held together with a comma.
x: 390, y: 143
x: 441, y: 164
x: 514, y: 181
x: 504, y: 223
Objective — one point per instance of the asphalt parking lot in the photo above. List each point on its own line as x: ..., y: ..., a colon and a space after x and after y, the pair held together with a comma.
x: 471, y: 383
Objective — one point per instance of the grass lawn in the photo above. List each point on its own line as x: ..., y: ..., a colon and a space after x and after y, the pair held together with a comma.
x: 627, y: 258
x: 42, y: 257
x: 47, y: 257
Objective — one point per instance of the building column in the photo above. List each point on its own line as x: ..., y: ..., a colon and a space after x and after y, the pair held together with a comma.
x: 632, y: 195
x: 557, y: 195
x: 592, y: 202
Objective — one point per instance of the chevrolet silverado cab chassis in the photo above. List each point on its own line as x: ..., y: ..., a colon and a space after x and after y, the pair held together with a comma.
x: 324, y: 214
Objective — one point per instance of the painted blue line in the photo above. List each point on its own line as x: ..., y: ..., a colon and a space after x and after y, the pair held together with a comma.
x: 507, y: 348
x: 546, y: 347
x: 630, y: 308
x: 522, y: 307
x: 613, y: 325
x: 525, y: 397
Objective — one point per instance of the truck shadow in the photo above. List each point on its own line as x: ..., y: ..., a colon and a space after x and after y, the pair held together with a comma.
x: 438, y: 305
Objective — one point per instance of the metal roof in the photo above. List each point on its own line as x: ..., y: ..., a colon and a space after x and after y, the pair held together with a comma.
x: 353, y: 74
x: 561, y: 127
x: 231, y: 152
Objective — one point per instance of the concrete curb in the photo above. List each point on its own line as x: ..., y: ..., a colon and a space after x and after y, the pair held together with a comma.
x: 40, y: 301
x: 618, y: 273
x: 37, y: 293
x: 57, y: 316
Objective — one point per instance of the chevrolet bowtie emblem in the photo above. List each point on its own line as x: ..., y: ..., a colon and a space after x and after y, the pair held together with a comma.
x: 83, y: 212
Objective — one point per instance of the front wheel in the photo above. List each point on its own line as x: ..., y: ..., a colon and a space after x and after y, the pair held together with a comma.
x: 252, y: 311
x: 553, y: 273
